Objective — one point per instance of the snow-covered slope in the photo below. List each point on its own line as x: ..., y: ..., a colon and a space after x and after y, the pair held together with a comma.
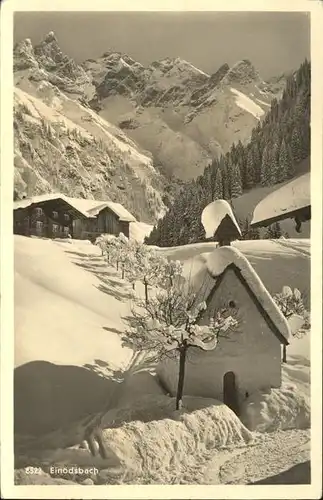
x: 61, y: 145
x: 244, y: 102
x: 289, y: 263
x: 75, y: 305
x: 68, y: 368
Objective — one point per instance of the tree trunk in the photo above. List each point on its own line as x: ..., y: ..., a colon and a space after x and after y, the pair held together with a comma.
x: 117, y: 265
x: 123, y: 273
x: 284, y: 353
x: 181, y: 376
x: 146, y: 292
x: 133, y: 285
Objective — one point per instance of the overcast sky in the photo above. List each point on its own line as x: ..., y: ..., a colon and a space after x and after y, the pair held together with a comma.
x: 274, y: 42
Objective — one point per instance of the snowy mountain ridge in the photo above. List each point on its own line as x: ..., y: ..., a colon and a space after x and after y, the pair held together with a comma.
x: 171, y: 108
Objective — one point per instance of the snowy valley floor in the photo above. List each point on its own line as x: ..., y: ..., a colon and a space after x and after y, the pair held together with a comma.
x: 70, y: 309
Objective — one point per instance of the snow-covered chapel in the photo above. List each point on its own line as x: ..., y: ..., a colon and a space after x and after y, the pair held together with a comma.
x: 249, y: 357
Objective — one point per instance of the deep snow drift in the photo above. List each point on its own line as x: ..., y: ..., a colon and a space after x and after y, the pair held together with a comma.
x: 87, y: 313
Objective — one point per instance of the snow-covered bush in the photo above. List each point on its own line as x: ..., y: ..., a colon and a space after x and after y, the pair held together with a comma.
x: 104, y: 242
x: 117, y: 249
x: 290, y: 302
x: 146, y: 265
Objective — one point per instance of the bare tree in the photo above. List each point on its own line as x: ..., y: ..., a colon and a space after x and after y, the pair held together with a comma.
x: 168, y: 324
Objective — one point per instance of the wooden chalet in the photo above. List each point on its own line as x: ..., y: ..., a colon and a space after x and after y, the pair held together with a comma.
x: 58, y: 216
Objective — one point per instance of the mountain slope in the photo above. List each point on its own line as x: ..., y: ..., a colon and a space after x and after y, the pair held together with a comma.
x: 62, y: 146
x: 278, y: 150
x: 173, y: 106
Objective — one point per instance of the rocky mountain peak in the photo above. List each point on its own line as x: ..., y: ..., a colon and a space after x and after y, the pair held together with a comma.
x: 242, y: 72
x: 23, y: 54
x: 50, y: 37
x: 48, y: 51
x: 216, y: 77
x: 46, y: 62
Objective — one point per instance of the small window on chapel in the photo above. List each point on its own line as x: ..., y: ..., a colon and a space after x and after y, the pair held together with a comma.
x: 232, y: 304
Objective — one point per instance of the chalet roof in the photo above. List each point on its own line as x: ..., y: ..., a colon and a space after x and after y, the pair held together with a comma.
x: 42, y: 198
x: 290, y: 200
x: 226, y: 257
x: 117, y: 208
x: 88, y: 208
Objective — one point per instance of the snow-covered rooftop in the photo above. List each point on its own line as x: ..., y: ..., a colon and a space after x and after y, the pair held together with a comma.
x: 117, y: 208
x: 293, y: 196
x: 222, y: 257
x: 213, y: 214
x: 46, y: 197
x: 88, y: 208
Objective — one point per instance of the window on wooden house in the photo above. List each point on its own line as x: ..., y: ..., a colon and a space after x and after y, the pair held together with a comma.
x: 39, y: 225
x: 38, y: 211
x: 55, y: 215
x: 66, y: 229
x: 55, y: 228
x: 66, y: 217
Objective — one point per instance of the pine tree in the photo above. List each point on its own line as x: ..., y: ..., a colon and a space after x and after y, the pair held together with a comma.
x: 291, y: 163
x: 274, y: 164
x: 236, y: 187
x: 250, y: 170
x: 296, y: 145
x: 269, y: 234
x: 256, y: 161
x: 277, y: 232
x: 227, y: 176
x: 265, y: 167
x: 218, y: 187
x: 254, y: 233
x: 284, y: 163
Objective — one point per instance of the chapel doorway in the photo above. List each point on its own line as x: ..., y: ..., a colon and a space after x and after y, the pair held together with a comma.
x: 230, y: 396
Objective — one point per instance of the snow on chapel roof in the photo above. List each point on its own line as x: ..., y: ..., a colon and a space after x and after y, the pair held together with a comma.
x: 214, y: 213
x: 222, y: 257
